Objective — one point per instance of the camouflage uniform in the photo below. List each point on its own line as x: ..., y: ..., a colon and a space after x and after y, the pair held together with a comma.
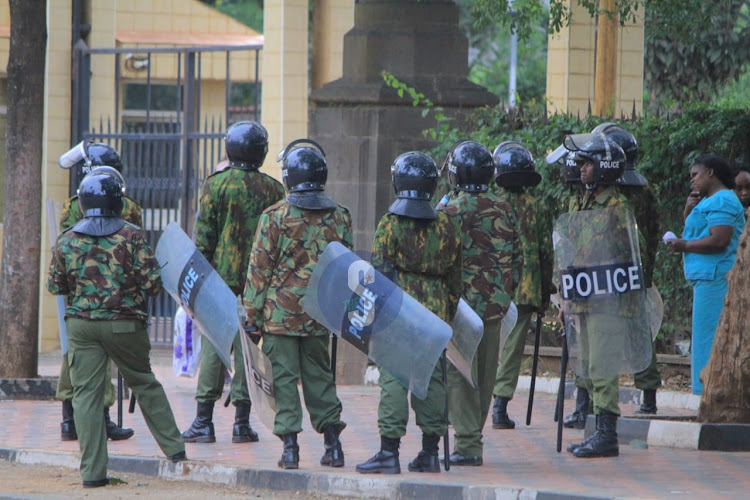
x: 103, y: 280
x: 288, y: 243
x: 231, y: 204
x: 71, y: 213
x: 532, y: 293
x: 424, y: 256
x: 492, y: 263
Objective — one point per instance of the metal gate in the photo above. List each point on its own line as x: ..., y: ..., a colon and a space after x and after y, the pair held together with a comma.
x: 168, y: 142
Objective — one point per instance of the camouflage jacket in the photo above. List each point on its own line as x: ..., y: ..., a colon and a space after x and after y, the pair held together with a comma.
x: 71, y: 213
x: 104, y: 277
x: 535, y: 232
x: 288, y: 243
x: 422, y: 257
x: 491, y: 250
x: 646, y: 210
x: 231, y: 204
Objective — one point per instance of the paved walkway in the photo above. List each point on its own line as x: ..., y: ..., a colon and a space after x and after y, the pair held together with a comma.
x: 520, y: 463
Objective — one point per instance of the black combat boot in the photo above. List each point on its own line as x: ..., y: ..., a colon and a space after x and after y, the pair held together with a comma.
x: 577, y: 419
x: 290, y: 456
x: 334, y: 455
x: 385, y: 461
x: 572, y: 446
x: 604, y: 442
x: 427, y: 460
x: 68, y: 426
x: 114, y: 431
x: 500, y: 419
x: 202, y: 428
x: 241, y: 431
x: 648, y: 405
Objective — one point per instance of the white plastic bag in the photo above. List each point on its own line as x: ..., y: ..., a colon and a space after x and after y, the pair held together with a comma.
x: 187, y: 345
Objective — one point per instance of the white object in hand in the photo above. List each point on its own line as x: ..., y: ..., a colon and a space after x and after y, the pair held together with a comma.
x: 668, y: 236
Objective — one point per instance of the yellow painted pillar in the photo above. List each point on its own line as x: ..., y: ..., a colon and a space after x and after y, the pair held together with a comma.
x: 605, y: 95
x: 332, y: 19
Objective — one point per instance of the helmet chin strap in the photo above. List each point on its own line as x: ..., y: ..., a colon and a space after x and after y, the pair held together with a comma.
x: 591, y: 187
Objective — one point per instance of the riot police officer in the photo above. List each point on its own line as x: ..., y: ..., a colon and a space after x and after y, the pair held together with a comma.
x: 82, y: 159
x: 492, y: 261
x: 291, y: 236
x: 104, y: 267
x: 516, y: 174
x: 421, y: 247
x: 231, y: 204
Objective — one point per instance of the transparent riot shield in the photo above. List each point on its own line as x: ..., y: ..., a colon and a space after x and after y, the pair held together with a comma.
x: 654, y: 310
x: 599, y: 276
x: 198, y: 288
x: 259, y: 374
x: 59, y: 299
x: 507, y: 324
x: 467, y: 333
x: 349, y: 297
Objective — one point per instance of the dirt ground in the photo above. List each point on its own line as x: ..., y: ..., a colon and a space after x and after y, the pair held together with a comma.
x: 42, y: 481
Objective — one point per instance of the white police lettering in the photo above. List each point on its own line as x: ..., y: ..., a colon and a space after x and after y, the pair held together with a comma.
x: 609, y: 164
x: 582, y: 283
x: 359, y: 275
x: 187, y: 285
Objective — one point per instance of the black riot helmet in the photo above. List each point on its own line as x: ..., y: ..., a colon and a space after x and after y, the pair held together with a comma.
x: 571, y: 170
x: 87, y: 155
x: 515, y: 166
x: 606, y: 155
x: 470, y: 166
x: 304, y: 172
x: 101, y: 193
x: 627, y: 142
x: 414, y: 176
x: 246, y: 143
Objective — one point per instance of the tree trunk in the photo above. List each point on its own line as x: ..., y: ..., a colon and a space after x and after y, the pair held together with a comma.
x: 19, y: 271
x: 726, y: 377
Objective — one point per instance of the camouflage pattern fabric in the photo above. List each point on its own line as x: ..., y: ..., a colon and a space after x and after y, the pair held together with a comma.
x: 231, y: 204
x: 288, y: 242
x: 423, y: 257
x: 104, y: 277
x: 535, y: 232
x: 642, y: 202
x: 491, y: 250
x: 71, y: 213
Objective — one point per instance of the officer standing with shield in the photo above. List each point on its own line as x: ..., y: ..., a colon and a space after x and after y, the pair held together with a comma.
x: 516, y: 172
x: 598, y: 260
x: 492, y: 262
x: 231, y: 204
x: 83, y: 158
x: 290, y: 237
x: 421, y: 248
x: 104, y: 267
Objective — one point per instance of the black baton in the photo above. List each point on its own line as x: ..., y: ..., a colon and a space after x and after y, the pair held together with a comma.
x: 119, y: 397
x: 534, y: 365
x: 561, y: 393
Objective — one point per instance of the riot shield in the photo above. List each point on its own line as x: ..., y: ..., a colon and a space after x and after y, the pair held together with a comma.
x: 599, y: 276
x: 654, y: 310
x: 59, y: 299
x: 507, y: 324
x: 349, y: 297
x: 198, y: 288
x: 467, y: 333
x: 259, y: 374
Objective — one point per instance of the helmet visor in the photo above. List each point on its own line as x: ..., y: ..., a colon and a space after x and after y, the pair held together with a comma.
x: 74, y: 156
x: 587, y: 142
x: 556, y: 155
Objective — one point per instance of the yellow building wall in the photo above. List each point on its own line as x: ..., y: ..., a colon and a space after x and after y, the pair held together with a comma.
x: 571, y: 65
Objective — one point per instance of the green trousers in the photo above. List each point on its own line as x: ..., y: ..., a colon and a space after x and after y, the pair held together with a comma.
x: 393, y: 409
x: 302, y: 359
x: 509, y: 368
x: 650, y: 378
x: 126, y: 343
x: 65, y: 387
x: 211, y: 375
x: 468, y: 407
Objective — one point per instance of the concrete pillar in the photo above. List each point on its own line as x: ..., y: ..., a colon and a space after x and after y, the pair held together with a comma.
x: 363, y: 124
x: 331, y: 20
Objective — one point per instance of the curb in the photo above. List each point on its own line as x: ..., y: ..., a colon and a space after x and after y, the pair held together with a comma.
x: 28, y: 388
x: 336, y: 485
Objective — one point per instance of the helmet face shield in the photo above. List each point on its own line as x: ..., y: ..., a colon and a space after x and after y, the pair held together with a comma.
x: 75, y: 156
x: 557, y: 155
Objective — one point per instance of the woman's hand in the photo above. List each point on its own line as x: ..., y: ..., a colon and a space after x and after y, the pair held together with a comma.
x: 677, y: 245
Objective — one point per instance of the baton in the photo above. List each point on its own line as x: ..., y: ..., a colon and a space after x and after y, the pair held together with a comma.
x: 534, y: 365
x: 334, y: 346
x: 119, y: 397
x: 131, y: 408
x: 446, y: 437
x: 561, y: 393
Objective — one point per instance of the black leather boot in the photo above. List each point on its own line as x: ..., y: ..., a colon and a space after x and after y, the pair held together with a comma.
x: 604, y: 442
x: 114, y: 431
x: 385, y: 461
x: 290, y: 456
x: 577, y: 419
x: 500, y: 419
x: 334, y: 455
x: 68, y: 426
x: 241, y: 431
x: 427, y: 459
x: 648, y: 405
x: 572, y: 446
x: 202, y: 428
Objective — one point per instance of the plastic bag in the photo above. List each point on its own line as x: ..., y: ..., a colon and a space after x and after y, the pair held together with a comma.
x: 187, y: 345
